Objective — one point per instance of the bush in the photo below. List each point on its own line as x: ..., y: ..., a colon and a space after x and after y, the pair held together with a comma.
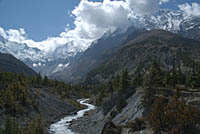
x: 173, y: 116
x: 113, y: 114
x: 121, y: 102
x: 137, y: 125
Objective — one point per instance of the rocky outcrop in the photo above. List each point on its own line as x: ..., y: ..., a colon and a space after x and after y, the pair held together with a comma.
x: 131, y: 119
x: 133, y: 109
x: 111, y: 128
x: 51, y: 105
x: 97, y: 122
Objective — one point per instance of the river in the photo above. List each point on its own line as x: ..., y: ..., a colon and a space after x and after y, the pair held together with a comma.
x: 62, y: 126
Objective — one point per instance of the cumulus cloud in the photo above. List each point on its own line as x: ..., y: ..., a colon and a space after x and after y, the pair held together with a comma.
x: 192, y: 9
x: 142, y: 7
x: 13, y: 34
x: 16, y: 35
x: 20, y: 36
x: 92, y: 20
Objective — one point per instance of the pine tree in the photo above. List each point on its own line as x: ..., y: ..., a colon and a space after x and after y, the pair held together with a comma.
x: 121, y: 102
x: 39, y: 80
x: 124, y: 81
x: 138, y: 80
x: 167, y: 79
x: 41, y: 125
x: 155, y: 76
x: 111, y: 90
x: 11, y: 127
x: 10, y: 102
x: 46, y: 81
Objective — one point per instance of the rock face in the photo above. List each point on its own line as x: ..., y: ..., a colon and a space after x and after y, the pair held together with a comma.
x: 133, y: 109
x: 92, y: 123
x: 51, y: 106
x: 131, y: 119
x: 99, y: 122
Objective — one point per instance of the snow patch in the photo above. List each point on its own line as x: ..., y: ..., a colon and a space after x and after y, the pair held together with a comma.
x: 60, y: 67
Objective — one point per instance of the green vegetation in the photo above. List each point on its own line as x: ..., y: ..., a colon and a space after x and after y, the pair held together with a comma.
x: 168, y: 111
x: 173, y: 116
x: 19, y: 93
x: 36, y: 126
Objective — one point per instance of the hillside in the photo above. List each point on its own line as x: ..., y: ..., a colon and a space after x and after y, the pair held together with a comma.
x: 136, y: 55
x: 96, y: 54
x: 9, y: 63
x: 32, y: 104
x: 157, y: 101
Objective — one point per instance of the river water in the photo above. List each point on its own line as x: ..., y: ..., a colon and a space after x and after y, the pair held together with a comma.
x: 62, y: 126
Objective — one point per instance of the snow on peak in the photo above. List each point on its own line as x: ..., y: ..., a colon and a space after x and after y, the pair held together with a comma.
x: 59, y: 58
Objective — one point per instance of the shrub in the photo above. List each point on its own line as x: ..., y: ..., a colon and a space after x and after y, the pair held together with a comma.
x: 173, y: 116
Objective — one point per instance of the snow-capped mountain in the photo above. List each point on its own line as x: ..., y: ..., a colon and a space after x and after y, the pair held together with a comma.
x: 163, y: 19
x: 170, y: 20
x: 63, y: 55
x: 21, y: 51
x: 39, y: 60
x: 173, y: 21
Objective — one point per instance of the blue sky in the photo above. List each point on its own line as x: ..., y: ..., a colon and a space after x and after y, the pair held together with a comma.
x: 46, y: 18
x: 173, y: 3
x: 40, y: 18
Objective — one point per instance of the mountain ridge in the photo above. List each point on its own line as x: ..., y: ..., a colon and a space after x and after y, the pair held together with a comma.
x: 65, y: 55
x: 9, y: 63
x: 138, y: 54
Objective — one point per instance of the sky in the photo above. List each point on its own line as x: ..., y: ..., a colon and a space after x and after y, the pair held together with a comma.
x: 47, y: 24
x: 40, y: 18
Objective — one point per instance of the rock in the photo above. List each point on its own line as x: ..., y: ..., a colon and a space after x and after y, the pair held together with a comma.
x: 75, y: 113
x: 111, y: 128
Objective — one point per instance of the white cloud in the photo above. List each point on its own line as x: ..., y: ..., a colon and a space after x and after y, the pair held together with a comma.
x: 48, y: 45
x: 35, y: 65
x: 16, y: 35
x: 142, y: 7
x: 163, y: 2
x: 92, y: 20
x: 192, y: 9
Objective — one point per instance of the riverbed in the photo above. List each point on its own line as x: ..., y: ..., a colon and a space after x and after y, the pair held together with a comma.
x: 62, y: 126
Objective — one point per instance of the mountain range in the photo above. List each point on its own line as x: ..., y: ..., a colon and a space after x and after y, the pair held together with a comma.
x: 71, y: 63
x: 170, y: 50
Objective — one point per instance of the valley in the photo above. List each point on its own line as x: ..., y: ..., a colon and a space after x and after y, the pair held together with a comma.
x: 119, y: 67
x: 148, y: 83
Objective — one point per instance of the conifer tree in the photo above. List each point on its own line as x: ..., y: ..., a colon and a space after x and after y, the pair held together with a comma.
x: 155, y: 76
x: 11, y: 127
x: 111, y: 90
x: 124, y: 80
x: 45, y: 81
x: 10, y: 102
x: 39, y: 80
